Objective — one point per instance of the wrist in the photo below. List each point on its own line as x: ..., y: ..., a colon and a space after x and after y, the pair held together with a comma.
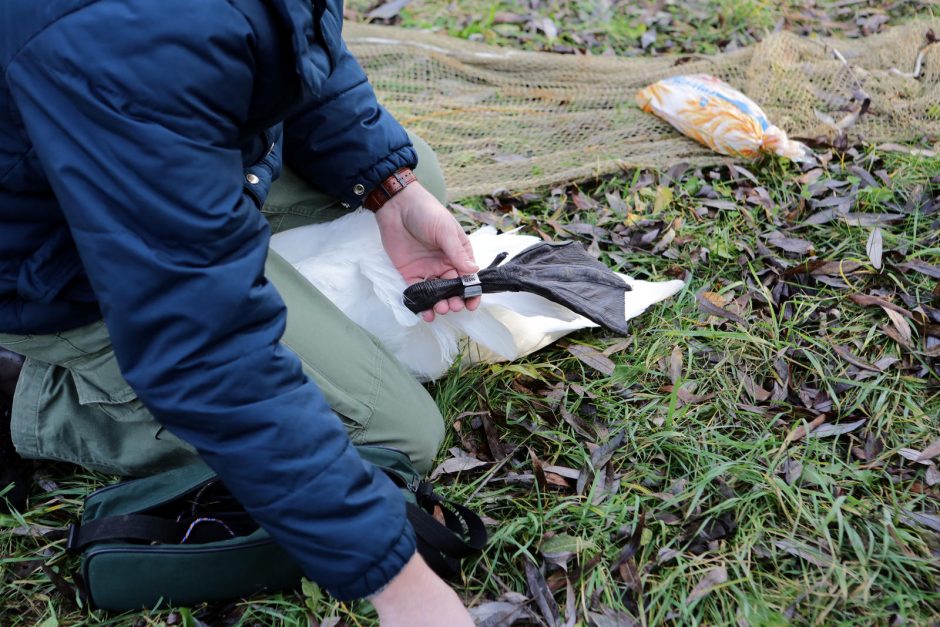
x: 412, y: 574
x: 416, y: 597
x: 389, y: 188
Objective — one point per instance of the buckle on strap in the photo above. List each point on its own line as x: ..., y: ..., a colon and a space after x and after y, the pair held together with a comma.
x: 72, y: 546
x: 471, y: 285
x: 425, y: 493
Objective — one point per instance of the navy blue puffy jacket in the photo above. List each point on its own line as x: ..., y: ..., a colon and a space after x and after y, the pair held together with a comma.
x: 127, y: 129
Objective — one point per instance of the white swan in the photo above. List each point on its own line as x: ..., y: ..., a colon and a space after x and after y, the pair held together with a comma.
x: 345, y: 260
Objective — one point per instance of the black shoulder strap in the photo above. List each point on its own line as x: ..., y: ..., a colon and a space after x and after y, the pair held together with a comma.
x: 443, y: 546
x: 154, y: 529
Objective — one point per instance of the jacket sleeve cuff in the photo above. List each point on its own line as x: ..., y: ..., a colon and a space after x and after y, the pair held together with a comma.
x: 381, y: 573
x: 370, y: 177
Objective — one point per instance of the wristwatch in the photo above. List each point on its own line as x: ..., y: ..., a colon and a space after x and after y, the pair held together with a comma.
x: 399, y: 180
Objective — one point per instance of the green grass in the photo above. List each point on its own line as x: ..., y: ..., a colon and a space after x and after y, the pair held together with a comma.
x: 618, y: 26
x: 821, y: 527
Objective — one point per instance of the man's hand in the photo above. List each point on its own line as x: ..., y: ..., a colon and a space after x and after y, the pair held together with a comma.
x: 425, y: 241
x: 416, y: 597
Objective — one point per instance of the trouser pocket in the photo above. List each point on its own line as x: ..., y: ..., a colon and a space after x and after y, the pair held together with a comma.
x: 100, y: 384
x: 73, y: 404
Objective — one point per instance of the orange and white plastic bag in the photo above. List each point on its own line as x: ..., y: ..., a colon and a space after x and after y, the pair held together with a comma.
x: 714, y: 113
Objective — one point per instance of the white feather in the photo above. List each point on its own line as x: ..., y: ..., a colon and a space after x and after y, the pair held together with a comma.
x: 344, y: 259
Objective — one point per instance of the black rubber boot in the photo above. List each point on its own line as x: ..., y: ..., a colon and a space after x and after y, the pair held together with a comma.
x: 12, y: 468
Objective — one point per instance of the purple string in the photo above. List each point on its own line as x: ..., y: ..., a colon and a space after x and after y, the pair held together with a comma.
x: 198, y: 521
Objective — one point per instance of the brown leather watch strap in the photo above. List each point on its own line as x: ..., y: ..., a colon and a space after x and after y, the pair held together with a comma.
x: 398, y: 181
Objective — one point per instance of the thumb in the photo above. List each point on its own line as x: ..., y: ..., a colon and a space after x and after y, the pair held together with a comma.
x: 459, y: 252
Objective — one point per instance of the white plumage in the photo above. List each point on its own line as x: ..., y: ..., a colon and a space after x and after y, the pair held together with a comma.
x: 345, y: 260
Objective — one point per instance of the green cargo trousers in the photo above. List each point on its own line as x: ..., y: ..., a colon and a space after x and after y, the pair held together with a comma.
x: 72, y: 403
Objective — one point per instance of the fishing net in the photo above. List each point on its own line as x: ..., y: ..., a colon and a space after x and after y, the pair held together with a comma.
x: 502, y: 119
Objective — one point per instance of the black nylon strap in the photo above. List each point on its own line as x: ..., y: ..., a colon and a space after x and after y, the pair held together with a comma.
x: 445, y: 567
x: 153, y: 529
x: 447, y: 539
x: 431, y: 531
x: 474, y: 528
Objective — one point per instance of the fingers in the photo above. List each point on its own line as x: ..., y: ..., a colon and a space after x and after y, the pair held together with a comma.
x: 456, y: 245
x: 441, y: 307
x: 454, y: 303
x: 457, y: 259
x: 459, y: 252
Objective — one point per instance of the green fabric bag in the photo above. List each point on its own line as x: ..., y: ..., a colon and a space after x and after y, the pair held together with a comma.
x: 180, y: 538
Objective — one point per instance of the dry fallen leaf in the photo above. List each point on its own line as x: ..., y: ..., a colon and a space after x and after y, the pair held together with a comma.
x: 792, y: 470
x: 664, y: 241
x: 556, y: 480
x: 611, y: 618
x: 510, y: 608
x: 874, y: 248
x: 790, y: 244
x: 846, y: 354
x: 867, y: 300
x: 618, y: 346
x: 810, y: 177
x: 900, y: 323
x: 538, y: 471
x: 931, y: 521
x: 37, y: 531
x: 907, y: 150
x: 895, y: 335
x: 616, y: 202
x: 648, y: 38
x: 758, y: 393
x: 932, y: 450
x: 716, y: 299
x: 563, y: 471
x: 800, y: 432
x: 811, y: 555
x: 666, y: 555
x: 592, y: 358
x: 932, y: 476
x: 712, y: 579
x: 924, y: 268
x: 873, y: 219
x: 67, y: 592
x: 686, y: 396
x: 828, y: 429
x: 540, y: 592
x: 603, y: 453
x: 675, y: 365
x: 457, y: 464
x: 714, y: 304
x: 577, y: 423
x: 836, y: 268
x: 493, y: 441
x: 913, y: 455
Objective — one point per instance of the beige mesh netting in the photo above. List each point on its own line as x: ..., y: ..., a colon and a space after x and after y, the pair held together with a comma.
x: 506, y: 119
